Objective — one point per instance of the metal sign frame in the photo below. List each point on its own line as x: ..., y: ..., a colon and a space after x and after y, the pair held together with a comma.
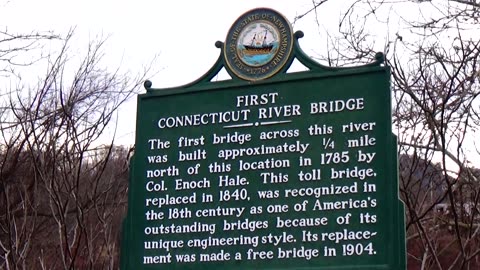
x: 278, y: 171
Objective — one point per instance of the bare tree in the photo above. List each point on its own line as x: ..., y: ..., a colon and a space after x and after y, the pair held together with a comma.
x: 433, y: 49
x: 62, y: 192
x: 19, y: 49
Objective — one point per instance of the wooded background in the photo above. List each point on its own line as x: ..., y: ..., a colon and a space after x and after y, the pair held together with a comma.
x: 63, y: 195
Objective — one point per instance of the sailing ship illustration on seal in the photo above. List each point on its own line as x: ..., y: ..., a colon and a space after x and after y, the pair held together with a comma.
x: 258, y: 45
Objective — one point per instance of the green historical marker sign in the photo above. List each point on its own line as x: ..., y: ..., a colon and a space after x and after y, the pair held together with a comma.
x: 267, y: 170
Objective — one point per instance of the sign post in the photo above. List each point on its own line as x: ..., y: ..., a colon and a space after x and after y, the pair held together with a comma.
x: 268, y: 170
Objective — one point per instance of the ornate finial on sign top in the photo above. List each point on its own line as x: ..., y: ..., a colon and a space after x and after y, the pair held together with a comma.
x: 380, y: 58
x: 299, y: 34
x: 219, y: 44
x: 147, y: 84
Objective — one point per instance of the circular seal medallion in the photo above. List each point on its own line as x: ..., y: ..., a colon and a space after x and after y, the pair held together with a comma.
x: 258, y: 44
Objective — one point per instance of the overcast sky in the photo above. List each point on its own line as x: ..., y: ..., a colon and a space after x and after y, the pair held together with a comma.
x: 181, y: 34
